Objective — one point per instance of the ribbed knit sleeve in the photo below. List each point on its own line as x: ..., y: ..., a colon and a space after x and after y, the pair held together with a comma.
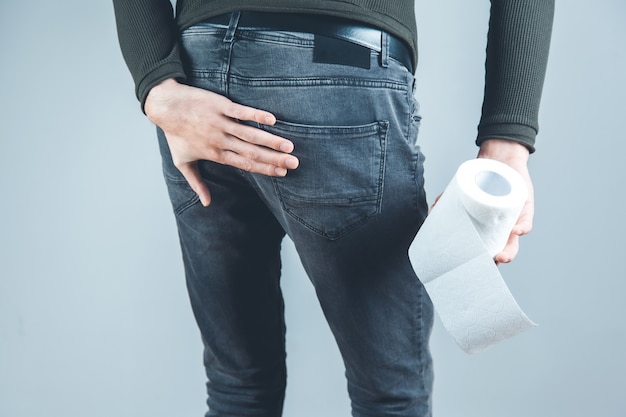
x: 517, y: 56
x: 148, y: 39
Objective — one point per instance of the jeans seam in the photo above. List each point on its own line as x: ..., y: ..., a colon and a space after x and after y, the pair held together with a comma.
x: 183, y: 207
x: 318, y: 82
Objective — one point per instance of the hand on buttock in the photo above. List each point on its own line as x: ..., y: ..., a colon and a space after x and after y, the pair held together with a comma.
x: 201, y: 125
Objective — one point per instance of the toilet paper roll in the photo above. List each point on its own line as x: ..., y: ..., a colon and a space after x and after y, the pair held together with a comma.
x: 453, y: 252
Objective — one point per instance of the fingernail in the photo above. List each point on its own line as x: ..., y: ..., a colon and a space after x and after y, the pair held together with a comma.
x: 292, y: 163
x: 269, y: 120
x: 281, y: 172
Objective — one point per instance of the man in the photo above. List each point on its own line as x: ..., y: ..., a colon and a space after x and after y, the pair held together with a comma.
x: 297, y: 117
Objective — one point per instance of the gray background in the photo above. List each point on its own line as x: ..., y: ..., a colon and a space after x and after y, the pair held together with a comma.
x: 94, y: 318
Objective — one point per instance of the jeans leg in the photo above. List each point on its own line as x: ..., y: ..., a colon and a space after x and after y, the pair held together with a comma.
x: 376, y: 307
x: 381, y: 318
x: 231, y: 253
x: 352, y: 208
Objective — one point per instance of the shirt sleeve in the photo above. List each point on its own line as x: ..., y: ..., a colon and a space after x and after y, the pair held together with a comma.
x: 148, y: 39
x: 517, y: 54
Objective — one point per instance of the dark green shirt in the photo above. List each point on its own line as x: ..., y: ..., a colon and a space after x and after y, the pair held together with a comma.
x: 517, y: 48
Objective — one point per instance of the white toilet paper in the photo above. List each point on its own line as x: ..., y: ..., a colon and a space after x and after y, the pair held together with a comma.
x: 453, y: 254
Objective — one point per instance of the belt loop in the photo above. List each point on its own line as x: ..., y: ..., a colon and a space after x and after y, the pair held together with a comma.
x: 384, y: 49
x: 232, y: 26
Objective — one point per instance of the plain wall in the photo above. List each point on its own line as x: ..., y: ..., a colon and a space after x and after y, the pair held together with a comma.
x: 94, y: 318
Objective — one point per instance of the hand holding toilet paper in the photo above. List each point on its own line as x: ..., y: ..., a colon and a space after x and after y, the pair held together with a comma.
x: 453, y: 252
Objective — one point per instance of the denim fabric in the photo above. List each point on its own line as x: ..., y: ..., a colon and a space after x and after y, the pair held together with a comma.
x: 352, y: 209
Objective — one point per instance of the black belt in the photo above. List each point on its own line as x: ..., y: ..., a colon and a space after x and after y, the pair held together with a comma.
x: 348, y: 30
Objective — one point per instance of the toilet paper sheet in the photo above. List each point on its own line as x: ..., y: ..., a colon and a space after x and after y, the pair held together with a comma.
x: 453, y: 252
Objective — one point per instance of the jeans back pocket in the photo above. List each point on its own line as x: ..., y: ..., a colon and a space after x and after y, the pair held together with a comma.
x: 339, y: 183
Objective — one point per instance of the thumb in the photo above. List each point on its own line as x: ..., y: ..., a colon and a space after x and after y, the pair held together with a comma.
x: 192, y: 174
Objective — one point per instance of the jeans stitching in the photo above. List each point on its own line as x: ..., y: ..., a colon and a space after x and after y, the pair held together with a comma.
x: 317, y: 82
x: 381, y: 134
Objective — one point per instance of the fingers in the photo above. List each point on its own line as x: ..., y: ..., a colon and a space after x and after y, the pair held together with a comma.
x: 510, y: 250
x: 524, y: 226
x: 253, y: 149
x: 260, y: 137
x: 253, y: 154
x: 240, y: 112
x: 259, y: 161
x: 192, y: 175
x: 525, y: 222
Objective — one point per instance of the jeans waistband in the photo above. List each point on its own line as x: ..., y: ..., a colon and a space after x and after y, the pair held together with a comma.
x: 348, y: 30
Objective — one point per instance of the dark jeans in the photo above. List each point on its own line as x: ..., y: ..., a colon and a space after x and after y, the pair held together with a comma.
x: 352, y: 209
